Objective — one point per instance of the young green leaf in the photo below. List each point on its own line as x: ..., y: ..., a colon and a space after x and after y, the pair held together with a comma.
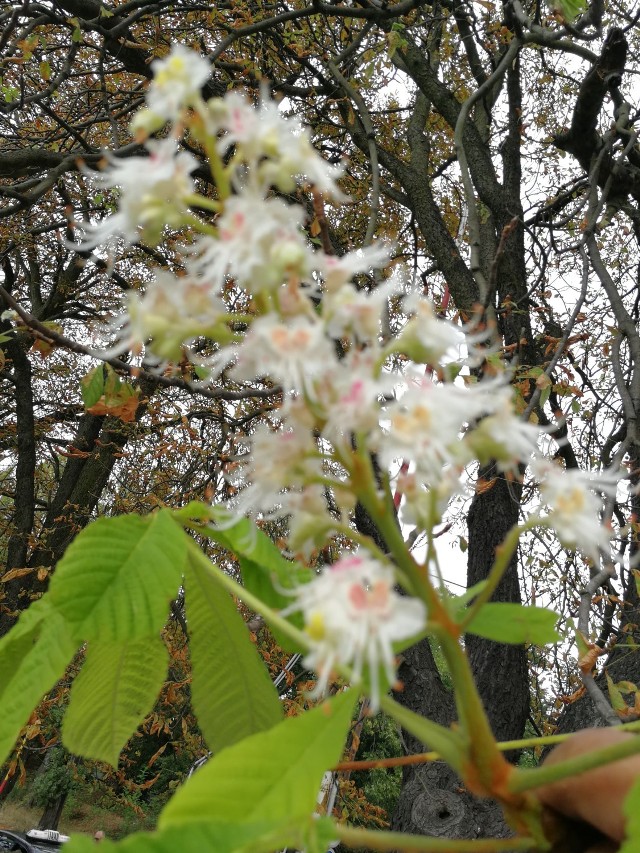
x: 233, y: 696
x: 265, y: 572
x: 274, y: 775
x: 118, y: 576
x: 30, y: 664
x: 513, y: 623
x: 92, y: 386
x: 115, y: 690
x: 568, y: 10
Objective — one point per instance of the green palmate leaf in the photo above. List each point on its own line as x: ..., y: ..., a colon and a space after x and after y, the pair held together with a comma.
x: 116, y: 689
x: 513, y: 623
x: 118, y: 576
x: 265, y: 572
x: 31, y: 661
x: 274, y: 775
x: 233, y: 696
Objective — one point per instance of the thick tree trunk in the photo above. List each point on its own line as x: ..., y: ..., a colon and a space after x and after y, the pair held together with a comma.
x: 433, y: 801
x: 500, y: 670
x: 98, y: 443
x: 53, y: 811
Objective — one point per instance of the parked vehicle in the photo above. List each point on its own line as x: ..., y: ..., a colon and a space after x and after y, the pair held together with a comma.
x: 33, y: 841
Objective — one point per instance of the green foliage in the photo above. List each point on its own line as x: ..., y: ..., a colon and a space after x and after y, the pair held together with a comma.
x: 117, y: 578
x: 113, y: 693
x: 441, y: 663
x: 513, y: 623
x: 54, y: 780
x: 233, y: 696
x: 273, y: 775
x: 380, y: 738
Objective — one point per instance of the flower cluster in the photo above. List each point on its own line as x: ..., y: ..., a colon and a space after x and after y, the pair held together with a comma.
x: 155, y: 192
x: 353, y: 615
x: 324, y: 340
x: 574, y: 506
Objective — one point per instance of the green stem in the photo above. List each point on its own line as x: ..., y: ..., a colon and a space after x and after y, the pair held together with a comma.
x: 219, y: 173
x: 472, y: 718
x: 367, y: 839
x: 475, y: 742
x: 383, y: 514
x: 527, y: 780
x: 203, y: 203
x: 503, y: 556
x: 448, y: 743
x: 431, y: 558
x: 522, y: 743
x: 550, y: 740
x: 249, y: 598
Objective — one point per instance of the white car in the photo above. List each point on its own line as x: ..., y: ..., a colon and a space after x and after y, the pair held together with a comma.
x: 33, y: 841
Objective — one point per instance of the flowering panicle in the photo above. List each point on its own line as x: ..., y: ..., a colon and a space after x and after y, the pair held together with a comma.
x: 311, y: 329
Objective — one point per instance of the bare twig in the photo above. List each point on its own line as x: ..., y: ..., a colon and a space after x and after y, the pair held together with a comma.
x: 45, y: 333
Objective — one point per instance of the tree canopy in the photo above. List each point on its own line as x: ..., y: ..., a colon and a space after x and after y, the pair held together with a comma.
x: 490, y: 151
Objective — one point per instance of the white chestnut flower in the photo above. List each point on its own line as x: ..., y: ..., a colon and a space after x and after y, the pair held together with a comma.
x: 574, y: 501
x: 177, y: 80
x: 353, y: 615
x: 154, y: 193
